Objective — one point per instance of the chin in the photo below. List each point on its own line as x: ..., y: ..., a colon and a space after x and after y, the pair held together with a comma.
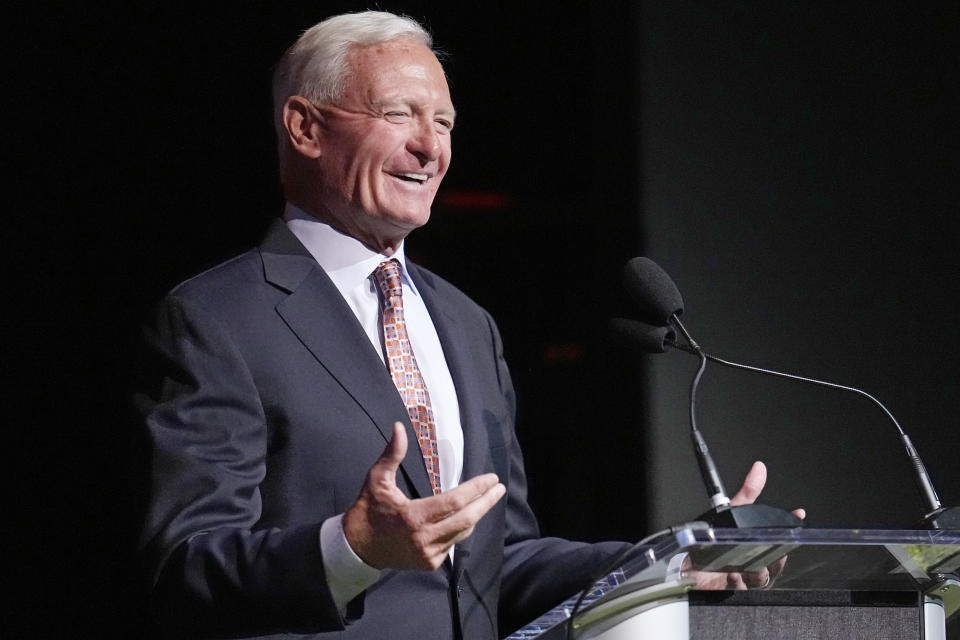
x: 410, y: 219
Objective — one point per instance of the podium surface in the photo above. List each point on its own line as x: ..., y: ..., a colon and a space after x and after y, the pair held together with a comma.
x: 855, y: 582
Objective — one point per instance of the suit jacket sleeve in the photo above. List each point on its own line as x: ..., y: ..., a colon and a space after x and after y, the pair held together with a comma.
x: 208, y: 431
x: 538, y: 573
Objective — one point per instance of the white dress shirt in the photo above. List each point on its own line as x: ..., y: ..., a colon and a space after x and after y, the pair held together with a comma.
x: 350, y: 265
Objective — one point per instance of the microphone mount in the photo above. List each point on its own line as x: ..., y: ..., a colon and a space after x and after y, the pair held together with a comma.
x: 657, y: 305
x: 722, y: 513
x: 937, y: 516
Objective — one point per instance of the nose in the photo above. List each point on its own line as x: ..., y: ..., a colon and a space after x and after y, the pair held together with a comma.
x: 424, y: 141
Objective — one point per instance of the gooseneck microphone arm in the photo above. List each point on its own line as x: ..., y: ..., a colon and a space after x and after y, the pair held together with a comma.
x: 927, y: 492
x: 708, y: 470
x: 693, y: 346
x: 657, y: 306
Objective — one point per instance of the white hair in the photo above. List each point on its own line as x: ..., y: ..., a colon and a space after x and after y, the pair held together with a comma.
x: 316, y: 65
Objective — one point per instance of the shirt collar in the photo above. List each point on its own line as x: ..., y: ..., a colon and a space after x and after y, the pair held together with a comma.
x: 346, y: 260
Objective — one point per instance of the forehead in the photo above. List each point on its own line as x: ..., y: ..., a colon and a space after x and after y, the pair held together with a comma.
x: 387, y: 65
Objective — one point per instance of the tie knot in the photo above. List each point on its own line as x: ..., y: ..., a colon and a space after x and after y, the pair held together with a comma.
x: 387, y: 276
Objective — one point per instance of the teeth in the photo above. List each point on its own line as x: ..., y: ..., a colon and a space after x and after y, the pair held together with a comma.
x: 419, y: 177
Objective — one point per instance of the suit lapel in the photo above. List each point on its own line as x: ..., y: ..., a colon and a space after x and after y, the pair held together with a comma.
x: 315, y: 311
x: 456, y: 350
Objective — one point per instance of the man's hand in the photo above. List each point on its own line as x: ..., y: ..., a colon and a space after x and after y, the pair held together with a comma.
x: 752, y: 486
x: 710, y: 580
x: 388, y: 530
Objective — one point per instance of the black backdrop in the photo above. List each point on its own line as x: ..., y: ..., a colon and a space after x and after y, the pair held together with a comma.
x: 148, y: 152
x: 801, y: 183
x: 142, y: 152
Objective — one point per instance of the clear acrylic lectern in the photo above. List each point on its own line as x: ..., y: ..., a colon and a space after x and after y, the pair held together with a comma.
x: 851, y: 583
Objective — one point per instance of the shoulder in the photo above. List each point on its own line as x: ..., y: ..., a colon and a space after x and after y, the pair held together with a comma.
x: 227, y: 292
x: 207, y: 304
x: 262, y: 274
x: 223, y: 278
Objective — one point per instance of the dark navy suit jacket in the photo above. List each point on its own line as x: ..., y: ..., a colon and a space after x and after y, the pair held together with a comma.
x: 268, y: 406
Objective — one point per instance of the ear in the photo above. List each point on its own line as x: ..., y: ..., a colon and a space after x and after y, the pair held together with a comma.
x: 302, y: 123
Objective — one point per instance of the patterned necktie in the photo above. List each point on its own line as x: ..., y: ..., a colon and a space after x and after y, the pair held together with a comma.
x: 404, y: 370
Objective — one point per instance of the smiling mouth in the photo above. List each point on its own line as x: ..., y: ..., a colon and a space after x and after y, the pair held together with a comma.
x: 418, y: 178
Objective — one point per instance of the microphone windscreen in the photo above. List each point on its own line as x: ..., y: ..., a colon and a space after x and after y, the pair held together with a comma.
x: 654, y: 296
x: 646, y: 337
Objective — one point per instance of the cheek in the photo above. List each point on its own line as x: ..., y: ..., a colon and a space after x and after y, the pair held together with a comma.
x: 360, y: 172
x: 372, y: 158
x: 446, y: 155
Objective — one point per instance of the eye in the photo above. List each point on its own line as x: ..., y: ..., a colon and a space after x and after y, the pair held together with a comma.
x: 445, y: 123
x: 397, y: 116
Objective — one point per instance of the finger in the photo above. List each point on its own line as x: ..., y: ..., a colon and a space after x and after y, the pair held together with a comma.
x: 800, y: 513
x: 708, y: 580
x: 459, y: 521
x: 457, y: 526
x: 735, y: 582
x: 759, y: 578
x: 476, y: 485
x: 435, y: 508
x: 450, y: 537
x: 776, y: 568
x: 752, y: 485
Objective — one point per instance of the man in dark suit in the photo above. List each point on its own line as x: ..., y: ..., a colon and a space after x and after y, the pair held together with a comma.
x: 332, y: 427
x: 284, y: 495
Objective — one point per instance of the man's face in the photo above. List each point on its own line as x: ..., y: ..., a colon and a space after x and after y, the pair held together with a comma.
x: 386, y: 143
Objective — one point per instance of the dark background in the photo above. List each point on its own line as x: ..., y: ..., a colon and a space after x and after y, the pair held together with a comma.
x: 793, y: 167
x: 801, y: 183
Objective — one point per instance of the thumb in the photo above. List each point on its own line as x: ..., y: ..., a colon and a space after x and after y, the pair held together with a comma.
x: 752, y: 485
x: 393, y: 454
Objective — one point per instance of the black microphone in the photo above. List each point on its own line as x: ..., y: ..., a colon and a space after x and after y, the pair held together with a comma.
x: 645, y: 337
x: 655, y: 297
x: 722, y: 514
x: 657, y: 300
x: 654, y: 293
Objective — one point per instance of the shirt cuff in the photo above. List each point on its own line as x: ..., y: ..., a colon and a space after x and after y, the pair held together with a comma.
x: 347, y: 575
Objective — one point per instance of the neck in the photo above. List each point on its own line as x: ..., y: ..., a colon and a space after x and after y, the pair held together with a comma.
x: 385, y: 245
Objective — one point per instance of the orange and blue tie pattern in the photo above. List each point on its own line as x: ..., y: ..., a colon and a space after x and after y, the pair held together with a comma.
x: 404, y: 370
